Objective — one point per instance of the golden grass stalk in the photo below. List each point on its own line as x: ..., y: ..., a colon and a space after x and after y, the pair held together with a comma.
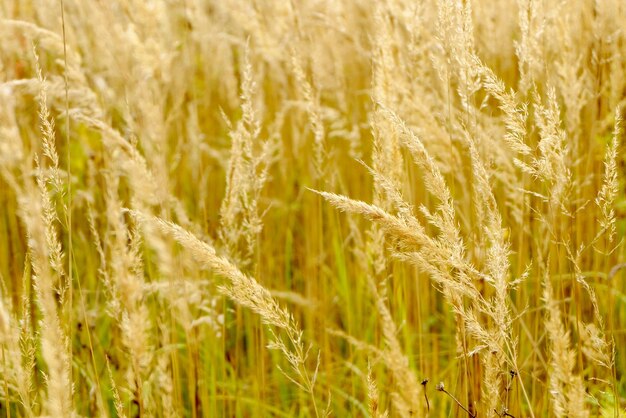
x: 313, y: 109
x: 246, y: 175
x: 117, y: 401
x: 16, y: 359
x: 53, y: 176
x: 610, y: 183
x: 386, y: 170
x: 529, y: 48
x: 566, y: 388
x: 247, y: 292
x: 373, y: 396
x: 54, y: 343
x: 39, y: 215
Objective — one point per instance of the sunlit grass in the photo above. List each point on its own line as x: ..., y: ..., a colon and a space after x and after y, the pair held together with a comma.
x: 312, y: 208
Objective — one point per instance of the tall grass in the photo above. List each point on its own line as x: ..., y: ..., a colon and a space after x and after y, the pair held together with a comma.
x: 312, y: 208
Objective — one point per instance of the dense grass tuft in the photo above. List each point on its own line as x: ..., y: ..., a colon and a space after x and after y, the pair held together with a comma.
x: 312, y: 208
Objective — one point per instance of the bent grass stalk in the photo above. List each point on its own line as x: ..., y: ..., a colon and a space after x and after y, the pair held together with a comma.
x: 246, y: 291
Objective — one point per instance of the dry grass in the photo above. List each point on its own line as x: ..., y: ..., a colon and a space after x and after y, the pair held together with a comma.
x: 312, y: 208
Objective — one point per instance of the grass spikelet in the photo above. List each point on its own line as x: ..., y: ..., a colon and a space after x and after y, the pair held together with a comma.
x: 610, y: 184
x: 313, y: 109
x: 245, y: 177
x: 372, y: 396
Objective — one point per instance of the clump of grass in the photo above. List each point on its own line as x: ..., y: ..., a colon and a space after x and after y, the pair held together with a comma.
x: 159, y: 233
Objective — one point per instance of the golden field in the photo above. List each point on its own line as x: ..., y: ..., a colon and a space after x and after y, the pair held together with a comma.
x: 312, y: 208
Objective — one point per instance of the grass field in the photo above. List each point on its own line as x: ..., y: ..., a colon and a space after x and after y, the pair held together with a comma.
x: 312, y: 208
